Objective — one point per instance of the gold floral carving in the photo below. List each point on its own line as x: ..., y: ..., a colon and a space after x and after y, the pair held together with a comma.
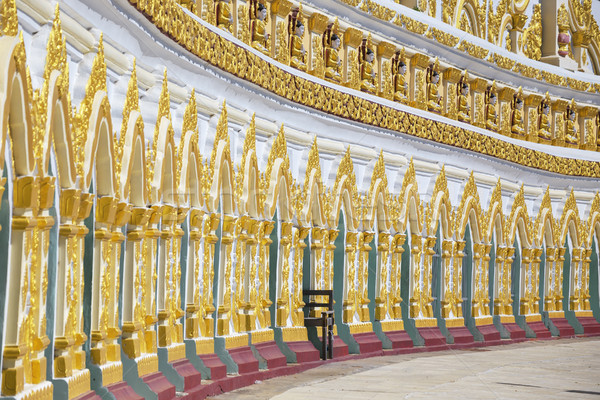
x: 9, y: 21
x: 96, y: 83
x: 444, y: 38
x: 337, y: 103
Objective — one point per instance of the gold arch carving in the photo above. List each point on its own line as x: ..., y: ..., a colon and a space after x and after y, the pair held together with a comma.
x: 344, y: 191
x: 276, y: 174
x: 411, y: 208
x: 439, y: 204
x: 470, y: 205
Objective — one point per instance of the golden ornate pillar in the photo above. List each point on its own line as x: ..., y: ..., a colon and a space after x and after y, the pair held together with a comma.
x: 364, y: 238
x: 225, y: 271
x: 526, y: 290
x: 419, y: 297
x: 249, y: 294
x: 25, y: 338
x: 133, y: 290
x: 575, y: 295
x: 459, y: 254
x: 299, y: 244
x: 506, y: 281
x: 41, y: 246
x: 283, y: 271
x: 69, y: 358
x: 584, y: 295
x: 264, y: 302
x: 238, y: 303
x: 149, y: 276
x: 193, y: 301
x: 537, y: 254
x: 549, y: 303
x: 479, y: 290
x: 350, y: 301
x: 329, y: 246
x: 447, y: 300
x: 499, y: 280
x: 383, y: 256
x: 165, y: 275
x: 102, y: 274
x: 394, y: 296
x: 211, y: 224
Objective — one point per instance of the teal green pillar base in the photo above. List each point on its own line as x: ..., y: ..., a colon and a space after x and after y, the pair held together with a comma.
x: 472, y: 327
x: 504, y: 334
x: 570, y: 316
x: 133, y: 379
x: 385, y: 341
x: 549, y: 324
x: 192, y: 355
x: 167, y: 369
x: 522, y: 322
x: 221, y: 351
x: 441, y: 323
x: 285, y: 349
x: 411, y: 328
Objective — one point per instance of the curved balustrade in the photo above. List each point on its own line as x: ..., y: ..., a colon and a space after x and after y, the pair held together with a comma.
x: 140, y: 256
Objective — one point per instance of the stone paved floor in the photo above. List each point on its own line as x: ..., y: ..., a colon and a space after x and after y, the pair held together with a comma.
x: 553, y: 369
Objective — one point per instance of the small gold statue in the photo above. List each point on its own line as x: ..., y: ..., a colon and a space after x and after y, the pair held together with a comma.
x: 367, y: 73
x: 333, y: 63
x: 463, y: 100
x: 434, y: 100
x: 516, y: 121
x: 224, y: 17
x: 571, y: 133
x: 544, y: 129
x: 399, y: 77
x: 296, y: 32
x: 258, y: 27
x: 491, y: 119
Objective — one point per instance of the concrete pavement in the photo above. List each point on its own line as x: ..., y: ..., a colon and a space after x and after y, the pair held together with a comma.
x: 551, y: 369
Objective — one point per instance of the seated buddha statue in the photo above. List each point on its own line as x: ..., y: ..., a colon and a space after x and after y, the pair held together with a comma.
x: 491, y: 118
x: 399, y: 78
x: 571, y: 134
x: 463, y: 102
x: 224, y: 17
x: 434, y: 100
x: 258, y: 29
x: 367, y: 73
x: 516, y: 124
x: 544, y: 130
x: 297, y: 51
x: 333, y: 62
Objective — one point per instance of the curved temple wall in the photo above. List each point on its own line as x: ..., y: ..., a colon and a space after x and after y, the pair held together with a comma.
x: 161, y: 212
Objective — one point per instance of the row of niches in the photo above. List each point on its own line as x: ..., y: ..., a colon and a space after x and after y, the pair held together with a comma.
x: 312, y: 42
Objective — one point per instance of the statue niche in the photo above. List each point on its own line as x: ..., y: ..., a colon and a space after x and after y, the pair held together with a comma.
x: 434, y: 100
x: 224, y: 17
x: 296, y: 35
x: 258, y: 27
x: 333, y: 63
x: 544, y: 130
x: 399, y: 77
x: 571, y: 132
x: 367, y: 72
x: 464, y: 108
x: 516, y: 120
x: 491, y: 117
